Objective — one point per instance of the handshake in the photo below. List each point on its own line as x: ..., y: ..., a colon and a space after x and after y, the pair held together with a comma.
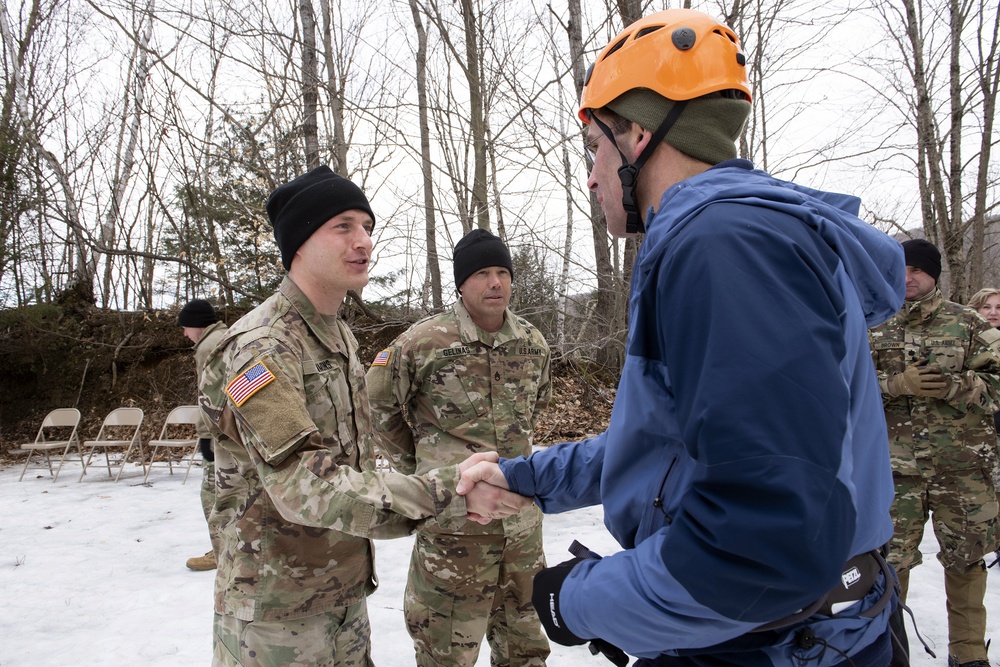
x: 487, y: 495
x: 920, y: 379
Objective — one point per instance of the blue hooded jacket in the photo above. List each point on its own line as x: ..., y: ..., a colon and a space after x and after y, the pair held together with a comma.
x: 746, y: 459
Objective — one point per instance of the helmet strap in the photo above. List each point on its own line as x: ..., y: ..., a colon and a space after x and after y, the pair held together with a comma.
x: 628, y: 173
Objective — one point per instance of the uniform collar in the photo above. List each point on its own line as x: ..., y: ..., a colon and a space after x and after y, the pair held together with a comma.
x: 209, y: 329
x: 330, y: 336
x: 922, y: 309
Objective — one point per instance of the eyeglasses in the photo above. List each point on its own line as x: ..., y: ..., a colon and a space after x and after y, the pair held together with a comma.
x: 590, y: 148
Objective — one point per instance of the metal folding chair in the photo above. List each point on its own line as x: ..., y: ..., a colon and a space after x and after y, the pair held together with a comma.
x: 56, y: 423
x: 182, y: 418
x: 120, y: 431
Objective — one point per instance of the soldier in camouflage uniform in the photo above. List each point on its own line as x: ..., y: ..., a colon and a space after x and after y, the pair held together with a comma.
x: 938, y: 365
x: 202, y: 327
x: 296, y: 486
x: 987, y: 303
x: 471, y: 379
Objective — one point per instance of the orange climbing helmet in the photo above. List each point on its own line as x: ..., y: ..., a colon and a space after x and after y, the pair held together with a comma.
x: 679, y: 53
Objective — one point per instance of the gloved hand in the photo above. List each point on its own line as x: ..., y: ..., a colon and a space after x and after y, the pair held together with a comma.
x: 937, y: 384
x: 919, y: 379
x: 205, y: 445
x: 617, y: 656
x: 545, y: 597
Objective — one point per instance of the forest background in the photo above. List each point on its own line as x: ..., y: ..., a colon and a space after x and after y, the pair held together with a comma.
x: 139, y: 141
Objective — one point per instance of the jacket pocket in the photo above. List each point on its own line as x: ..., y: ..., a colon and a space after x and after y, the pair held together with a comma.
x: 656, y: 513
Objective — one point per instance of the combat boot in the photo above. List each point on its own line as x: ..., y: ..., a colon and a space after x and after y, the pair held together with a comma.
x: 202, y: 563
x: 965, y: 592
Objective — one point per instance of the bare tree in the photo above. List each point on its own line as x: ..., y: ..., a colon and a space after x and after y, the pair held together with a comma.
x: 948, y: 52
x: 310, y: 83
x: 426, y: 168
x: 469, y: 62
x: 83, y: 268
x: 128, y: 137
x: 606, y: 313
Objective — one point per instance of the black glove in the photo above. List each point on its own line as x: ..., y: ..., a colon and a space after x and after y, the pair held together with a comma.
x: 617, y: 656
x: 545, y: 598
x: 205, y: 445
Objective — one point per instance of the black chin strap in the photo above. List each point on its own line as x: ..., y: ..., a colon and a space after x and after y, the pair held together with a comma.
x: 629, y: 173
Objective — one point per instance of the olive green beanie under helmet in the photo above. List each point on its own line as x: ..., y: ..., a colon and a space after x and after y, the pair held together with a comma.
x: 707, y: 129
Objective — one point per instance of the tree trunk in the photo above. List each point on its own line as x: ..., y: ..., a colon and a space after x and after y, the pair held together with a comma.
x: 335, y: 81
x: 606, y: 297
x: 82, y: 280
x: 125, y: 158
x: 480, y: 207
x: 426, y: 166
x: 310, y: 84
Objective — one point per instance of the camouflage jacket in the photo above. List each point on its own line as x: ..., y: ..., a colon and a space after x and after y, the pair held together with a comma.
x: 209, y: 339
x: 925, y: 433
x: 297, y: 493
x: 446, y: 389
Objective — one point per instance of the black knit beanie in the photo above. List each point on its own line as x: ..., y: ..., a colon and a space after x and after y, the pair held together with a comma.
x: 478, y: 250
x: 301, y: 206
x: 197, y: 314
x: 924, y: 255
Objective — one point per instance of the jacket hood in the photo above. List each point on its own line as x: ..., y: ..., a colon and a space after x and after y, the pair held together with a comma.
x: 872, y: 260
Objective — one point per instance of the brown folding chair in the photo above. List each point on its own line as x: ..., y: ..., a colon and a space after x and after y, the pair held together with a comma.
x: 52, y: 437
x: 120, y: 431
x: 181, y: 421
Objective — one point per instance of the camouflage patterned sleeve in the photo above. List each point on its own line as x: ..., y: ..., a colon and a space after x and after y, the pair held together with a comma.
x: 303, y: 469
x: 978, y: 385
x: 313, y: 490
x: 874, y: 335
x: 390, y: 382
x: 544, y: 389
x: 201, y: 351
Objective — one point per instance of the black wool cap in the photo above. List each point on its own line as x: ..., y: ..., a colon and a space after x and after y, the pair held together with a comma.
x: 924, y: 255
x: 301, y: 206
x: 479, y: 249
x: 197, y: 314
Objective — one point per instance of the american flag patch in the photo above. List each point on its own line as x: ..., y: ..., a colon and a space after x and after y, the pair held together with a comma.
x: 382, y: 358
x: 249, y: 383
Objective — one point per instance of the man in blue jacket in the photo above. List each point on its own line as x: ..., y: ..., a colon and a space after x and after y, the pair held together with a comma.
x: 745, y: 469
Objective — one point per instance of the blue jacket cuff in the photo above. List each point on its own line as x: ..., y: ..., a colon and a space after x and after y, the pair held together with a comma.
x: 519, y: 475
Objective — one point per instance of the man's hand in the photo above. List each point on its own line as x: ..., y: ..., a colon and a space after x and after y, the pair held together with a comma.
x: 481, y: 468
x: 486, y: 491
x: 935, y: 383
x: 920, y: 379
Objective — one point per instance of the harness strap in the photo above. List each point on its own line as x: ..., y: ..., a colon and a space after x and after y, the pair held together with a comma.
x: 857, y: 578
x: 628, y: 173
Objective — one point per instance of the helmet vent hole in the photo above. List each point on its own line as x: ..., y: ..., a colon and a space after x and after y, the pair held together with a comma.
x: 646, y: 31
x: 727, y: 35
x: 683, y: 38
x: 617, y: 46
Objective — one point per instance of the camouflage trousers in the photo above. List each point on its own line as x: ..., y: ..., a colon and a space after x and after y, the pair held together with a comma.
x: 338, y: 638
x: 962, y: 505
x: 462, y: 587
x: 208, y: 503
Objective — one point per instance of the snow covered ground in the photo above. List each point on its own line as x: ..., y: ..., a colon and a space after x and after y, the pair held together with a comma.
x: 92, y: 574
